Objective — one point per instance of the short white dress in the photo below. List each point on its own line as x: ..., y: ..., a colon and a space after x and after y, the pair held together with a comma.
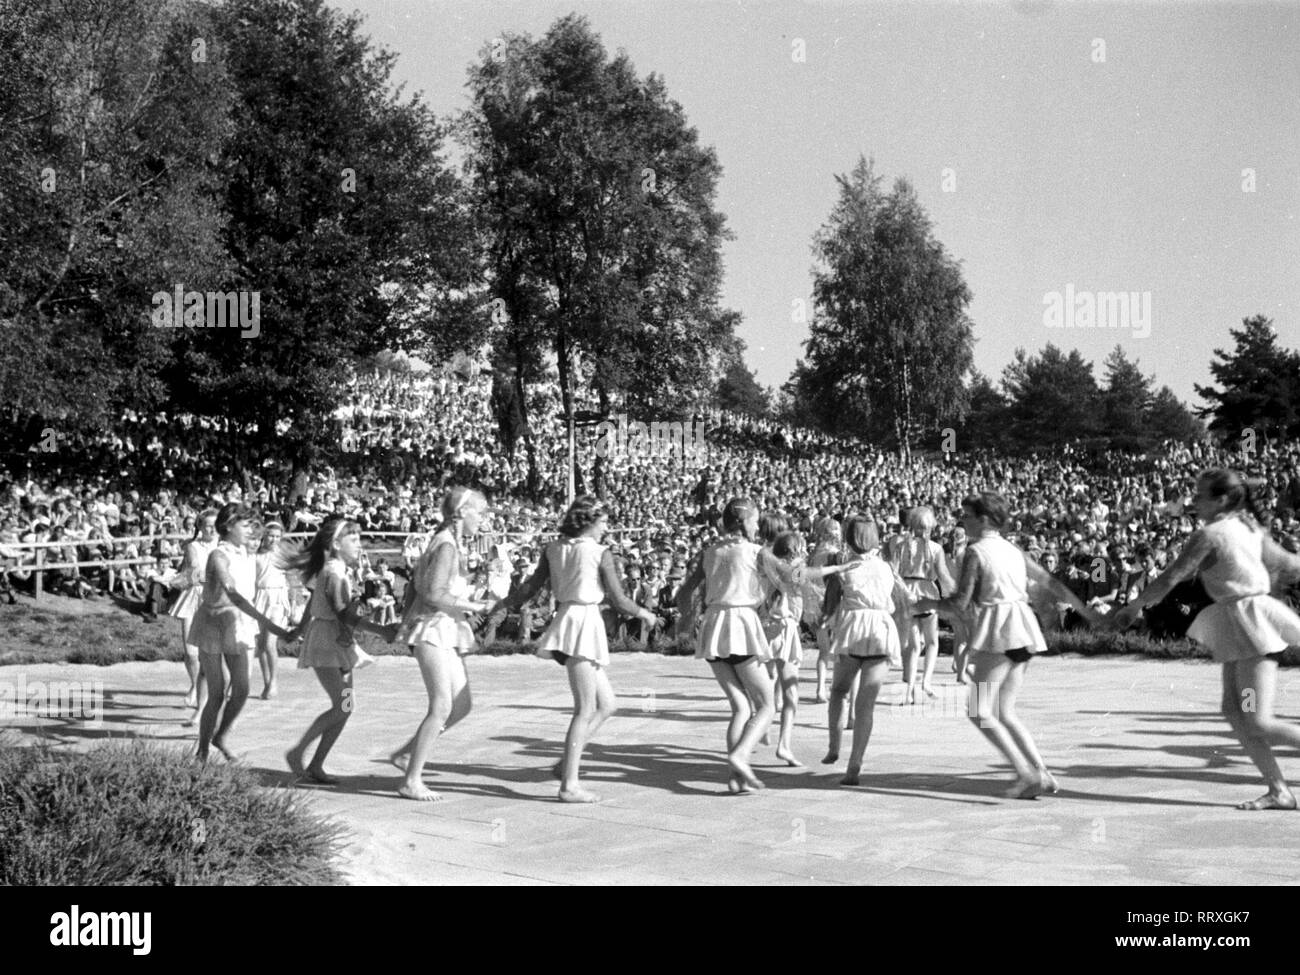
x: 218, y: 625
x: 917, y: 560
x: 323, y: 644
x: 781, y: 624
x: 735, y: 589
x: 193, y: 573
x: 1003, y: 619
x: 1244, y: 621
x: 578, y: 628
x: 423, y: 621
x: 863, y: 622
x: 272, y: 596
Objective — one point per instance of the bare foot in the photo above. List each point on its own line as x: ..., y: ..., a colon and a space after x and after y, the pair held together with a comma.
x: 1048, y: 782
x: 848, y: 724
x: 419, y: 792
x: 787, y: 756
x: 191, y: 697
x: 269, y: 693
x: 578, y: 795
x: 820, y: 698
x: 193, y: 720
x: 321, y: 776
x: 294, y: 757
x: 744, y: 773
x: 767, y: 738
x: 852, y: 775
x: 733, y: 785
x: 1022, y: 789
x: 961, y: 678
x: 831, y: 757
x: 911, y: 694
x: 929, y: 692
x: 226, y: 753
x: 1269, y: 800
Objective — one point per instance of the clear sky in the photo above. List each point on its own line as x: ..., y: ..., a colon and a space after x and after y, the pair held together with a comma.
x: 1098, y: 147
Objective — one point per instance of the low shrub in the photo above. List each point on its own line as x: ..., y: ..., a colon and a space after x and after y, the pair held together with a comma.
x: 140, y: 814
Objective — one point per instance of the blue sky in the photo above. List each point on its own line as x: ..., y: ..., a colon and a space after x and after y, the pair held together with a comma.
x: 1098, y: 167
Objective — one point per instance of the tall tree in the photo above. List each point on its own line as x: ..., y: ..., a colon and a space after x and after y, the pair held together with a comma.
x: 738, y: 390
x: 342, y: 217
x: 1126, y: 402
x: 602, y: 236
x: 890, y: 341
x: 1170, y: 419
x: 111, y: 114
x: 1260, y: 383
x: 1053, y: 398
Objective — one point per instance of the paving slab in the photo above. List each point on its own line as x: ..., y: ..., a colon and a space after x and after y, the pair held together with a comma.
x: 1149, y: 774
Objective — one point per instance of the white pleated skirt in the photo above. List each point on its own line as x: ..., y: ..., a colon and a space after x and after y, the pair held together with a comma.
x: 783, y: 639
x: 1240, y: 629
x: 187, y: 603
x: 1006, y: 626
x: 440, y: 630
x: 273, y: 603
x: 577, y: 630
x: 865, y: 633
x: 732, y: 631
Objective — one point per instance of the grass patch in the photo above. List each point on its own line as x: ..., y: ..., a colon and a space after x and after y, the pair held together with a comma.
x: 30, y: 635
x: 140, y: 814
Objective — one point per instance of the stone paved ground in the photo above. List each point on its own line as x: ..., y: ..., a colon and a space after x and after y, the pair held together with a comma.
x: 1148, y: 770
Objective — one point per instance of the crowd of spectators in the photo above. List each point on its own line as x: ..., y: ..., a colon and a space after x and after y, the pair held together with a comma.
x: 1105, y: 523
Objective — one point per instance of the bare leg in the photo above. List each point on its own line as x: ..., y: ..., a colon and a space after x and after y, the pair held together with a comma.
x: 327, y: 726
x: 592, y: 706
x: 846, y: 674
x: 873, y: 674
x: 445, y: 681
x: 237, y: 663
x: 1016, y: 728
x: 928, y: 627
x: 191, y: 665
x: 727, y: 679
x: 216, y: 697
x: 911, y: 643
x: 1255, y: 687
x: 268, y: 656
x: 821, y: 674
x: 788, y: 675
x: 990, y: 671
x: 753, y: 675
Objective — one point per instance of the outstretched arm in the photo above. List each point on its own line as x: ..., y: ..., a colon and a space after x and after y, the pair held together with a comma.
x: 536, y: 582
x: 617, y: 598
x: 219, y: 568
x: 1059, y: 591
x: 964, y: 593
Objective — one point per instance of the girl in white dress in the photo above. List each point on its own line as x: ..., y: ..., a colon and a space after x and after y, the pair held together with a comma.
x: 781, y: 625
x: 920, y: 562
x: 271, y: 599
x: 190, y: 578
x: 582, y: 575
x: 826, y: 544
x: 736, y: 573
x: 225, y: 627
x: 865, y: 608
x: 329, y: 649
x: 1004, y: 635
x: 437, y: 626
x: 1246, y: 628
